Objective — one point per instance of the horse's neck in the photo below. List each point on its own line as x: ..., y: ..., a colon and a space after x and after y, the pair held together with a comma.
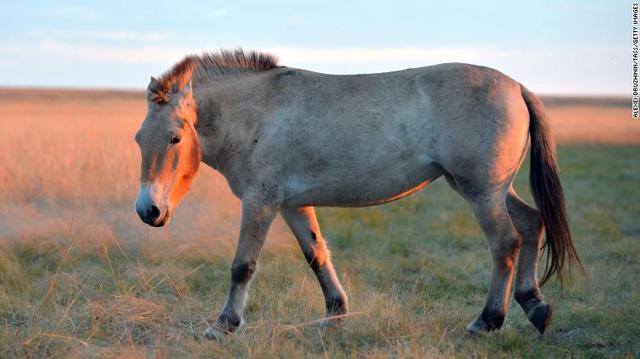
x: 225, y: 139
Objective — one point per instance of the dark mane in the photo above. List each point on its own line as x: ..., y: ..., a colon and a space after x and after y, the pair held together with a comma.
x: 237, y: 60
x: 212, y: 64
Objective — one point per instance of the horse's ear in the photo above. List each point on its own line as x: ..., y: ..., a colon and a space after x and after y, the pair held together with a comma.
x: 153, y: 89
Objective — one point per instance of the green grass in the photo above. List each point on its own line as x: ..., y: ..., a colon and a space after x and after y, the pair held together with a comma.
x: 416, y: 272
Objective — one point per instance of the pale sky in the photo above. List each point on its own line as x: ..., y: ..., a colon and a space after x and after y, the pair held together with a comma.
x: 553, y: 47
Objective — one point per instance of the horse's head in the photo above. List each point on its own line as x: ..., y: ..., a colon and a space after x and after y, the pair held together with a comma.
x: 170, y: 151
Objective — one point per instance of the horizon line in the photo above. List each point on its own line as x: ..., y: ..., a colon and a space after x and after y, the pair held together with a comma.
x: 98, y: 88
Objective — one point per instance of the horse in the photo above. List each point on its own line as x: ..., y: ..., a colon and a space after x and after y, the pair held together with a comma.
x: 288, y: 139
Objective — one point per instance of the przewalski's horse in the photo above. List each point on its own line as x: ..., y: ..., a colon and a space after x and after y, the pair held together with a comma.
x: 287, y: 140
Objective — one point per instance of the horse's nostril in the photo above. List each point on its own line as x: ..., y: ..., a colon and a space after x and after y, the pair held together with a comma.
x: 153, y: 212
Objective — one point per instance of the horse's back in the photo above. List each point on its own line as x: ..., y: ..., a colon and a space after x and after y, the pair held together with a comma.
x: 366, y: 139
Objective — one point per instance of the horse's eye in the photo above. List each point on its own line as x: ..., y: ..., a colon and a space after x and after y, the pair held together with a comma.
x: 175, y: 139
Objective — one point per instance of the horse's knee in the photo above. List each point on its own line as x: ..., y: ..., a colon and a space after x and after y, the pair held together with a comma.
x: 241, y: 272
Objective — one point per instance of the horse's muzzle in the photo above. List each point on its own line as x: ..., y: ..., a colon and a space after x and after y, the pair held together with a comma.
x: 152, y: 216
x: 149, y: 212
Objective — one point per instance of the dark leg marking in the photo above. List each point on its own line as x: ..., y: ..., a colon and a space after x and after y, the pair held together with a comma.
x: 493, y: 319
x: 242, y: 272
x: 312, y: 261
x: 336, y: 305
x: 528, y: 299
x: 314, y: 236
x: 228, y: 322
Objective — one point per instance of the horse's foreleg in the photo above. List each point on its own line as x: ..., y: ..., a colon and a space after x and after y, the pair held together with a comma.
x: 256, y: 219
x: 304, y: 225
x: 504, y: 242
x: 527, y: 293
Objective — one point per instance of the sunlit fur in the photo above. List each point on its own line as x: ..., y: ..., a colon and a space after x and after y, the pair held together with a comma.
x: 168, y: 168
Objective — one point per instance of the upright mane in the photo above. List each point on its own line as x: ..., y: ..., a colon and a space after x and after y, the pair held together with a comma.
x: 211, y: 64
x: 225, y: 61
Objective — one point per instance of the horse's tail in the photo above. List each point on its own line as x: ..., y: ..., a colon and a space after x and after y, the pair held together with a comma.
x: 547, y: 192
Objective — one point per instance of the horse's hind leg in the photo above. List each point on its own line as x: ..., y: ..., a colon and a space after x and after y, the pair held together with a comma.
x: 490, y: 209
x: 304, y: 225
x: 527, y: 293
x: 493, y: 217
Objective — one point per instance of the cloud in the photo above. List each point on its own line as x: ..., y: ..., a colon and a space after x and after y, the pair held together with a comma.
x: 113, y: 54
x: 125, y: 35
x: 69, y: 12
x: 218, y: 12
x: 292, y: 56
x: 540, y: 69
x: 296, y: 20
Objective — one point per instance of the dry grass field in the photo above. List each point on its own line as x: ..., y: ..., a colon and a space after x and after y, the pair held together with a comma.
x: 81, y: 276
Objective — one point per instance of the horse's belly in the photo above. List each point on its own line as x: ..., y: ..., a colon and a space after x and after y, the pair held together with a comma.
x: 355, y: 190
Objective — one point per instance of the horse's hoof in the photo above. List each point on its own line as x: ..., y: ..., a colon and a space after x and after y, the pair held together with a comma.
x: 477, y: 327
x: 214, y: 334
x: 225, y: 325
x: 540, y: 316
x: 333, y: 321
x: 538, y: 312
x: 489, y: 321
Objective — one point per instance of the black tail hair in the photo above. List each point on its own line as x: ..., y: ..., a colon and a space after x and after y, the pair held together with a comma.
x: 547, y: 192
